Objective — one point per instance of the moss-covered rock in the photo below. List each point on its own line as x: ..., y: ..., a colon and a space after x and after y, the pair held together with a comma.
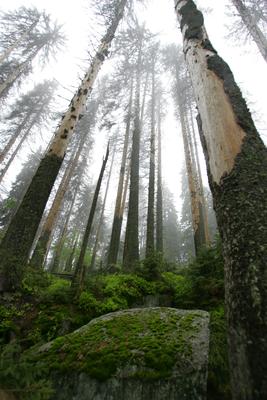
x: 157, y: 353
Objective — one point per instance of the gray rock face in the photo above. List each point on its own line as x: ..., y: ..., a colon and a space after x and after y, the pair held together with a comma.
x: 138, y: 354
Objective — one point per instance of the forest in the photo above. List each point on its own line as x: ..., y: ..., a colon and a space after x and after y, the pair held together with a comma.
x: 133, y: 200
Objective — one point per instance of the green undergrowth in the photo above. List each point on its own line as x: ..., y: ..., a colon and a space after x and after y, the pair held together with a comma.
x: 44, y: 310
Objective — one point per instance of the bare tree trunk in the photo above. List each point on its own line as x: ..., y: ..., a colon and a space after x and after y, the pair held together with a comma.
x: 17, y: 242
x: 59, y: 248
x: 144, y: 99
x: 159, y: 215
x: 69, y: 262
x: 131, y: 244
x: 237, y: 163
x: 200, y: 183
x: 44, y: 240
x: 79, y: 275
x: 252, y: 27
x: 117, y: 220
x: 194, y: 195
x: 150, y: 227
x: 101, y: 218
x: 200, y: 232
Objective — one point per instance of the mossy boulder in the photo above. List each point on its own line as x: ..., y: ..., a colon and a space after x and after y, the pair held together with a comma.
x: 142, y: 353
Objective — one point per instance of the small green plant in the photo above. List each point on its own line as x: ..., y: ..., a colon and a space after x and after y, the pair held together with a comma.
x: 19, y: 375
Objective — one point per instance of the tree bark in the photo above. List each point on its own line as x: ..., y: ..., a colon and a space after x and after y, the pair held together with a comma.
x: 17, y: 242
x: 131, y: 244
x: 79, y: 276
x: 236, y: 160
x: 150, y: 228
x: 254, y: 30
x: 117, y: 220
x: 159, y: 206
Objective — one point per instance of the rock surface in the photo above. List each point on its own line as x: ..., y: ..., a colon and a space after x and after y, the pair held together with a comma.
x: 137, y: 354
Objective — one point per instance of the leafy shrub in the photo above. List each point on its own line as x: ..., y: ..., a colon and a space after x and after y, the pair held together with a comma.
x: 88, y: 303
x: 206, y: 276
x: 57, y: 292
x: 34, y: 280
x: 19, y: 375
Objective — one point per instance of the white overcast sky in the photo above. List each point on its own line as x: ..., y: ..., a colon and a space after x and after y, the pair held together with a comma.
x: 245, y: 61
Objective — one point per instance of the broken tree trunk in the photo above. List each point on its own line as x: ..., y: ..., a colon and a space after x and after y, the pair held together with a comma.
x: 236, y: 160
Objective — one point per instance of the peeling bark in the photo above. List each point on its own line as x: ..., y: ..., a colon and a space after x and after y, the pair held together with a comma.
x: 236, y: 160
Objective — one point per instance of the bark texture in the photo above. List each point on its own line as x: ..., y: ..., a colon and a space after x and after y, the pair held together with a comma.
x: 237, y: 167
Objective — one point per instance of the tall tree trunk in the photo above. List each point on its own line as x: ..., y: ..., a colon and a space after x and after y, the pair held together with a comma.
x: 159, y: 206
x: 237, y: 163
x: 117, y: 220
x: 69, y: 262
x: 198, y: 224
x: 44, y: 240
x: 79, y: 276
x: 251, y: 24
x: 150, y: 227
x: 200, y: 232
x: 59, y: 248
x: 101, y: 218
x: 17, y: 242
x: 200, y: 183
x: 144, y: 99
x: 131, y: 244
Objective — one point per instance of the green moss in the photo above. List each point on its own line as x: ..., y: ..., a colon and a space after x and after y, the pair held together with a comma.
x: 153, y: 341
